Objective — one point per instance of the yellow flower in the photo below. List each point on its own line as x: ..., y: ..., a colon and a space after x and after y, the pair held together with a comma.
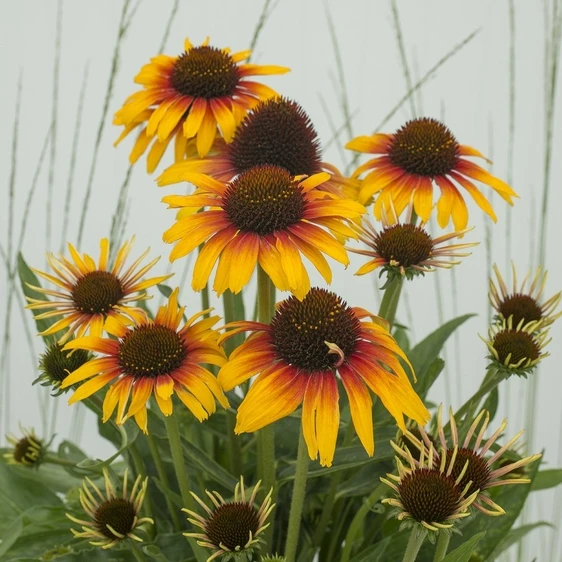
x: 297, y: 358
x: 428, y: 494
x: 523, y: 303
x: 87, y: 294
x: 152, y: 357
x: 421, y: 154
x: 277, y: 132
x: 470, y: 462
x: 189, y: 96
x: 233, y: 526
x: 263, y: 216
x: 113, y: 517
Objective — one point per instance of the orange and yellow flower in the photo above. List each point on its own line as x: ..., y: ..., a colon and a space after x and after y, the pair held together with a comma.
x: 88, y: 294
x: 420, y: 155
x: 190, y: 96
x: 277, y: 132
x: 263, y: 216
x: 152, y: 357
x: 297, y: 358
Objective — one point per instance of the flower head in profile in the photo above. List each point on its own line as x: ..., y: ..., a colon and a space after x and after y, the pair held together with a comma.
x: 191, y: 96
x: 277, y: 132
x: 428, y: 494
x: 421, y: 154
x: 517, y: 350
x: 27, y: 450
x: 297, y: 357
x: 472, y: 461
x: 55, y: 365
x: 407, y: 250
x: 524, y: 303
x: 152, y: 358
x: 87, y: 294
x: 112, y: 517
x: 264, y: 216
x: 231, y: 529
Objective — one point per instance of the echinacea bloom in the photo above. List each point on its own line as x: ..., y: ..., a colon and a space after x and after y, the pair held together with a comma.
x: 523, y: 303
x: 190, y: 96
x: 231, y: 527
x: 152, y: 357
x: 428, y: 491
x: 277, y: 132
x: 297, y: 357
x: 421, y: 154
x: 55, y: 365
x: 406, y: 249
x: 114, y: 516
x: 517, y: 349
x: 87, y: 294
x: 472, y: 464
x: 263, y: 216
x: 28, y: 450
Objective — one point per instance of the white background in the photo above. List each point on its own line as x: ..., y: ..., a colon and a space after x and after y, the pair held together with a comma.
x: 470, y: 92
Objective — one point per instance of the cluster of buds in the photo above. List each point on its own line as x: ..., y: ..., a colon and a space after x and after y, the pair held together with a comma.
x: 519, y: 333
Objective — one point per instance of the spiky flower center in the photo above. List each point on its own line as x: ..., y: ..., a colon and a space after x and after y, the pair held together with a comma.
x: 231, y: 525
x: 429, y: 495
x: 263, y: 200
x: 519, y: 346
x: 57, y: 364
x: 117, y: 513
x: 520, y: 307
x: 205, y: 72
x: 477, y: 469
x: 278, y: 132
x: 27, y: 450
x: 151, y: 350
x: 97, y: 292
x: 404, y: 245
x: 424, y: 147
x: 300, y: 330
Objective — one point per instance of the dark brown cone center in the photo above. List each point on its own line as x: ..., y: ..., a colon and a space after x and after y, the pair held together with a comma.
x: 300, y: 330
x: 151, y: 350
x: 424, y: 147
x: 97, y: 292
x: 404, y: 245
x: 205, y: 72
x: 119, y: 514
x: 231, y: 525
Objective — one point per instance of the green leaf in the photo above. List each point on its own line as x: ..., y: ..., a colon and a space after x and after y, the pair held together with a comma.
x: 491, y: 403
x: 128, y: 433
x: 28, y: 277
x: 350, y: 457
x: 165, y: 290
x: 425, y: 352
x: 170, y: 547
x: 547, y: 479
x: 19, y: 492
x: 464, y: 552
x: 515, y: 535
x: 511, y: 499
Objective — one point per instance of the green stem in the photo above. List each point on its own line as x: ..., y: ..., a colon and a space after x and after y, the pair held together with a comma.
x: 357, y: 521
x: 266, y: 435
x: 182, y: 477
x: 61, y: 462
x: 331, y: 496
x: 297, y: 502
x: 415, y: 541
x: 234, y: 447
x: 139, y: 556
x: 442, y: 546
x: 205, y: 300
x: 390, y: 300
x: 163, y: 477
x: 492, y: 379
x: 140, y: 468
x: 177, y: 458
